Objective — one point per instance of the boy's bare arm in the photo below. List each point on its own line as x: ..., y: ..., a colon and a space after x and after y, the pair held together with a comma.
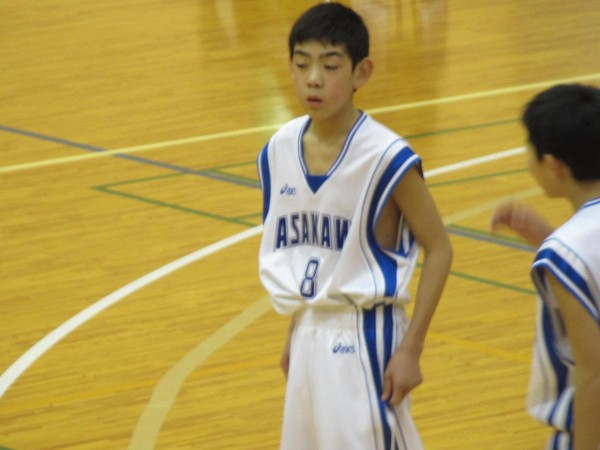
x: 417, y: 206
x: 583, y: 333
x: 523, y: 220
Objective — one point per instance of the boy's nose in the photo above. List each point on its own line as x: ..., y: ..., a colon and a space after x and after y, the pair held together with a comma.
x: 314, y: 77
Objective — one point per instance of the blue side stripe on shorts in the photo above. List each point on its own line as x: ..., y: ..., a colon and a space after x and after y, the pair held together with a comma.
x: 370, y: 333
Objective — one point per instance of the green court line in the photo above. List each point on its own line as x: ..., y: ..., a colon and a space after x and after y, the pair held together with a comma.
x: 492, y: 236
x: 497, y: 284
x: 5, y: 448
x: 230, y: 176
x: 481, y: 280
x: 252, y: 215
x: 477, y: 178
x: 461, y: 129
x: 174, y: 206
x: 139, y: 180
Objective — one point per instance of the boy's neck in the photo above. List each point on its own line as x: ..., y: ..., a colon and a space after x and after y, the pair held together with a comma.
x: 331, y: 129
x: 584, y: 192
x: 324, y: 140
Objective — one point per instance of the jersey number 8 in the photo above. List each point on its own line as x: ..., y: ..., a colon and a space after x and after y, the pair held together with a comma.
x: 308, y: 287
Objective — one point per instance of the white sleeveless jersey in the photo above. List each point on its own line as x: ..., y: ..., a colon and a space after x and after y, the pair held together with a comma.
x: 318, y: 245
x: 572, y: 255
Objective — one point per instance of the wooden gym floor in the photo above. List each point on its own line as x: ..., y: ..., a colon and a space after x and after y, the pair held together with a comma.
x: 130, y: 211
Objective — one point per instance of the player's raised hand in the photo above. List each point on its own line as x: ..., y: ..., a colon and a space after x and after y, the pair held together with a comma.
x: 523, y: 219
x: 402, y: 375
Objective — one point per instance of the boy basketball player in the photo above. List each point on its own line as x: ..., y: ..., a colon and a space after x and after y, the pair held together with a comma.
x: 563, y: 124
x: 345, y: 212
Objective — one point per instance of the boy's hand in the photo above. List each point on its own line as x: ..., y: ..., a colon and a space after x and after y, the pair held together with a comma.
x: 513, y: 215
x: 402, y: 375
x: 523, y: 220
x: 502, y: 215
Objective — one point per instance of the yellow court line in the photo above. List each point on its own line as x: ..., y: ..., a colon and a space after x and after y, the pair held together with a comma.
x: 147, y: 429
x: 485, y: 94
x: 489, y: 206
x: 247, y: 131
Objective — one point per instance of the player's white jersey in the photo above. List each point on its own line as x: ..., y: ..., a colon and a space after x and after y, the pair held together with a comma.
x: 319, y: 244
x: 572, y: 255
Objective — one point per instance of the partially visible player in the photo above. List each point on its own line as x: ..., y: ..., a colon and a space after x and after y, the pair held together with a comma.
x: 563, y: 124
x: 345, y: 211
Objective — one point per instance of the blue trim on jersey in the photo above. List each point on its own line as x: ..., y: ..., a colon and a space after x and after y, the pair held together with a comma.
x: 558, y: 367
x: 315, y: 184
x: 301, y: 147
x: 315, y: 181
x: 591, y: 202
x: 264, y: 174
x: 569, y: 423
x: 549, y: 259
x: 347, y: 142
x: 394, y: 172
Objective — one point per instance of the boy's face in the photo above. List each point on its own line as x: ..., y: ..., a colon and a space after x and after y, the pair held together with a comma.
x: 324, y: 80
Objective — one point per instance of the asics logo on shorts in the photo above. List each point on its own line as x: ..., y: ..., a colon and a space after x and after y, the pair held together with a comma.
x: 341, y: 348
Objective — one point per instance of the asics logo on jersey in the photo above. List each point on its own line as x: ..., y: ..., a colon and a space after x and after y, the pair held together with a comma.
x: 341, y: 348
x: 287, y: 190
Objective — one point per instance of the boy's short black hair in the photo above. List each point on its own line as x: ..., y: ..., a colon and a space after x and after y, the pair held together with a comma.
x: 564, y: 121
x: 335, y: 24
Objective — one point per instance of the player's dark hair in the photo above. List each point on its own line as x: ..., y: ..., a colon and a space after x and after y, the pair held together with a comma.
x: 564, y: 121
x: 335, y: 24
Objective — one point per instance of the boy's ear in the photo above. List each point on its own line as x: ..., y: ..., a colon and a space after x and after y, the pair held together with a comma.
x: 557, y: 166
x: 362, y: 72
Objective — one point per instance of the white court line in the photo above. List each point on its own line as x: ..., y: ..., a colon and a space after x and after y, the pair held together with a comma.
x: 246, y: 131
x: 34, y: 353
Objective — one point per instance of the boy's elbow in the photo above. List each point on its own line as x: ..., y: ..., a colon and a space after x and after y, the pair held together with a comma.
x: 442, y: 251
x: 448, y: 252
x: 445, y: 248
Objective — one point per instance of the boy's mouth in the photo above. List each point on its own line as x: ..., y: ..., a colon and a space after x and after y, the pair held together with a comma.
x: 313, y: 100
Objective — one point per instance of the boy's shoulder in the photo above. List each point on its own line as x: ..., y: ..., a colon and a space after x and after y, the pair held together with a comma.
x: 375, y: 138
x: 368, y: 135
x: 292, y: 127
x: 365, y: 125
x: 581, y: 228
x: 377, y: 130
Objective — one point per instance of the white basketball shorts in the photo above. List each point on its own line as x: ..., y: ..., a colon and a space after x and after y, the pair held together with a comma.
x: 333, y: 397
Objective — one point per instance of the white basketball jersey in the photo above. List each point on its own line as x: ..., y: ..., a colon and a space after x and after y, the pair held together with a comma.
x: 572, y: 255
x: 319, y: 244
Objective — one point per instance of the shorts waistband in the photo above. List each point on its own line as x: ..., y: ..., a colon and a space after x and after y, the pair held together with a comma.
x: 344, y: 316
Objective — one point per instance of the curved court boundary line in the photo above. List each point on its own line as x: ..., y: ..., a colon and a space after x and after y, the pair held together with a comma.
x: 47, y: 342
x: 246, y: 131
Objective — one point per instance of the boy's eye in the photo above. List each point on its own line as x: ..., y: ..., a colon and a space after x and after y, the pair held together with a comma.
x: 330, y: 67
x: 301, y: 65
